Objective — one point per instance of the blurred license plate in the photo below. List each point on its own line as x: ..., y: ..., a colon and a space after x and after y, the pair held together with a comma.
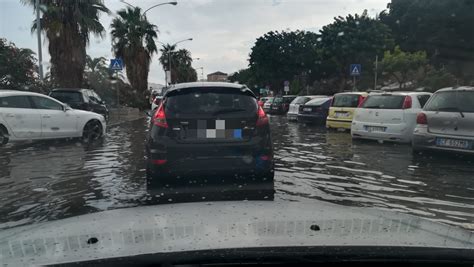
x: 455, y: 143
x: 375, y: 129
x: 341, y: 114
x: 307, y: 109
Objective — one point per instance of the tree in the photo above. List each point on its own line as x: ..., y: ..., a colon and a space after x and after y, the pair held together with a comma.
x: 244, y: 76
x: 17, y: 66
x: 181, y: 64
x: 403, y: 66
x: 442, y: 28
x: 353, y: 39
x: 436, y: 79
x: 67, y: 25
x: 280, y: 56
x: 95, y: 64
x: 133, y: 40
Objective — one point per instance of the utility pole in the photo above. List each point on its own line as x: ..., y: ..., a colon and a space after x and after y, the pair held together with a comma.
x: 376, y: 71
x: 38, y: 30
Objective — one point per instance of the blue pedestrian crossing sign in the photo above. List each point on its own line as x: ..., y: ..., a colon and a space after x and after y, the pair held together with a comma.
x: 355, y: 69
x: 116, y: 64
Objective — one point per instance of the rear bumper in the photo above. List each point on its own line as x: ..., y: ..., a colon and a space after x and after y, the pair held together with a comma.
x: 209, y: 159
x: 292, y: 116
x: 424, y: 140
x: 400, y: 133
x: 332, y: 123
x: 312, y: 118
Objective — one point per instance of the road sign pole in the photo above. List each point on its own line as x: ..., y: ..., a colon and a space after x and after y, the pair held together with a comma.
x: 376, y: 71
x: 354, y: 83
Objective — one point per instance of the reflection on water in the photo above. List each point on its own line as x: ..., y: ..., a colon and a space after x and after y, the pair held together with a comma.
x: 52, y: 180
x: 314, y: 163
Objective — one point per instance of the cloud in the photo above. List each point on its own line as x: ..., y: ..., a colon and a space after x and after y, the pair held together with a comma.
x: 223, y: 30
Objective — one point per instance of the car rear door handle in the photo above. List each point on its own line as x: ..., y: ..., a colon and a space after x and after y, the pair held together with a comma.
x: 9, y: 115
x: 46, y: 116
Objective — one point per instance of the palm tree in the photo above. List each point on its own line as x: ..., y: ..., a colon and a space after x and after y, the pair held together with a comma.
x: 167, y: 51
x: 95, y: 64
x: 133, y: 40
x: 181, y: 60
x: 67, y: 25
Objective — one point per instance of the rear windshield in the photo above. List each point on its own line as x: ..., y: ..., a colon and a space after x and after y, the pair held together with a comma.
x: 278, y: 100
x: 67, y: 97
x: 318, y: 101
x: 452, y: 101
x: 384, y: 101
x: 300, y: 100
x: 346, y: 101
x: 210, y: 101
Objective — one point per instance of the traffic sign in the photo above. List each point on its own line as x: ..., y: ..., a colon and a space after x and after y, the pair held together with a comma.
x: 355, y: 70
x: 287, y: 83
x: 286, y: 88
x: 116, y: 64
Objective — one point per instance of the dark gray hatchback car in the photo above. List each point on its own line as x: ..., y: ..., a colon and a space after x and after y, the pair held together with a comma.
x: 208, y: 130
x: 447, y: 122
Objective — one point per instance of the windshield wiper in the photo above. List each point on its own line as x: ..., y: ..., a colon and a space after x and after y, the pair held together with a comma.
x: 372, y: 107
x: 452, y: 109
x: 228, y: 110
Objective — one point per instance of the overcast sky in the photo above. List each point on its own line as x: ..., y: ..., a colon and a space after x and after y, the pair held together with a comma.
x: 224, y: 31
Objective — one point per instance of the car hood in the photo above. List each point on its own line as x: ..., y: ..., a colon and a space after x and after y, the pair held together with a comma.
x: 190, y: 227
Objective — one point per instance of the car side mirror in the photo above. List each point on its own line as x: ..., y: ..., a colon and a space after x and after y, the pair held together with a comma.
x: 66, y: 108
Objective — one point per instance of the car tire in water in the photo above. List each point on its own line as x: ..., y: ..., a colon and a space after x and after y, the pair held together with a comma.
x: 3, y: 136
x: 92, y: 131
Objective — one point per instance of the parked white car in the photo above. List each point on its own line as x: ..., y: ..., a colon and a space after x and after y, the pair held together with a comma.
x: 33, y: 116
x: 388, y: 116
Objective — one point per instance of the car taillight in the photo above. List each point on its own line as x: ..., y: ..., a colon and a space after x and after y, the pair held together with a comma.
x: 160, y: 117
x: 260, y: 103
x: 361, y: 101
x: 422, y: 119
x: 262, y: 117
x: 159, y: 161
x: 407, y: 102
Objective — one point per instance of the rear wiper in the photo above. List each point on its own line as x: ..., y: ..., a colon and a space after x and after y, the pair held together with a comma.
x: 372, y: 107
x: 452, y: 109
x: 228, y: 110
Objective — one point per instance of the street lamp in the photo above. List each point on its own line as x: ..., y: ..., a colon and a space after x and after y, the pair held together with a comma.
x: 169, y: 54
x: 40, y: 51
x: 161, y: 4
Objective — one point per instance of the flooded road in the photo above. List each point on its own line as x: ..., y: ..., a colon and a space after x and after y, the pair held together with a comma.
x: 52, y: 180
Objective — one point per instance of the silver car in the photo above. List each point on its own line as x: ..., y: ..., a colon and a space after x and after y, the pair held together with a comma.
x: 447, y: 122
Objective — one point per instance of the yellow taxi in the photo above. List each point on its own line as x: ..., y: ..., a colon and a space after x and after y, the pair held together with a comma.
x: 342, y: 109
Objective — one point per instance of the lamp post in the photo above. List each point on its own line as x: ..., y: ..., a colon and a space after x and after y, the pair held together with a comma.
x: 148, y: 9
x: 40, y: 51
